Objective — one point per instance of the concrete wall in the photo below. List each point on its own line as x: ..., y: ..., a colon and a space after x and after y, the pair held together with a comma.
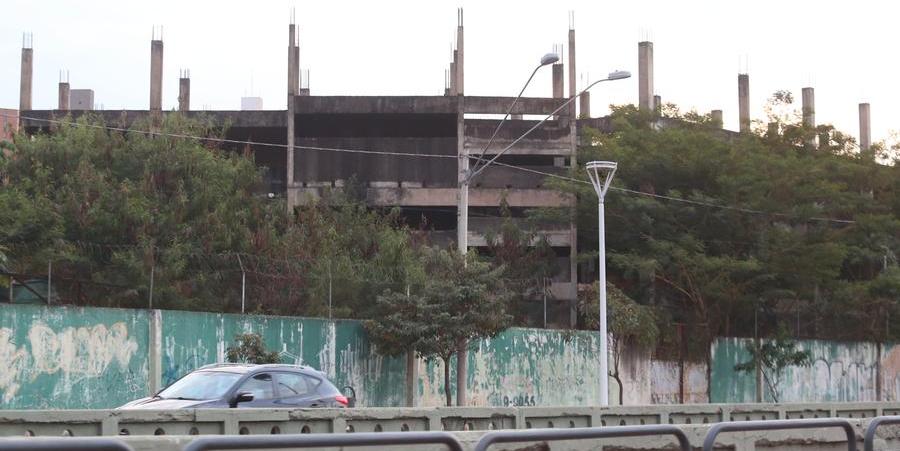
x: 66, y: 358
x: 839, y: 372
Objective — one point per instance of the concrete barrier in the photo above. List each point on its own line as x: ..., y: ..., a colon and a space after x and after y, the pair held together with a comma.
x: 781, y: 440
x: 80, y: 423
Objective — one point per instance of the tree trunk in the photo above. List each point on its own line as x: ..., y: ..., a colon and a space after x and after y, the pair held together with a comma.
x: 461, y: 372
x: 447, y: 381
x: 621, y: 388
x: 411, y: 378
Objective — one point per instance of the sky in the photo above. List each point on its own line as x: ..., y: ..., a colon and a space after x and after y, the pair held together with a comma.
x: 238, y: 48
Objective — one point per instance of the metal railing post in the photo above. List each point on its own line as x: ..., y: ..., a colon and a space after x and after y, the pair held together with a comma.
x: 534, y: 435
x: 778, y: 425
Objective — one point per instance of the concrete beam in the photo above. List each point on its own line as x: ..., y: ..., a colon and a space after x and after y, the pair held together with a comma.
x: 445, y: 197
x: 237, y: 119
x: 375, y: 104
x: 499, y: 105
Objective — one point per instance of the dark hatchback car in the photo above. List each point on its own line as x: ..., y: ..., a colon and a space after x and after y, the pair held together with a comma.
x: 243, y: 385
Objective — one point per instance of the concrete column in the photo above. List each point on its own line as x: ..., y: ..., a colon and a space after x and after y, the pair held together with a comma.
x: 25, y: 79
x: 291, y: 74
x: 865, y: 127
x: 572, y: 68
x: 156, y: 70
x: 657, y: 104
x: 184, y: 93
x: 453, y: 77
x: 584, y: 104
x: 809, y: 107
x: 460, y: 56
x: 744, y: 102
x: 558, y: 77
x: 645, y: 76
x: 772, y: 130
x: 63, y: 96
x: 293, y: 77
x: 716, y: 116
x: 809, y: 114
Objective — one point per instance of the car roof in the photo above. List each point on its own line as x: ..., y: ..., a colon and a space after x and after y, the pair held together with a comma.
x: 243, y: 368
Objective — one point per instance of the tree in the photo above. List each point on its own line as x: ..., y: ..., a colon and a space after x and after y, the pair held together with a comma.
x: 463, y: 299
x: 772, y: 357
x: 629, y: 323
x: 250, y: 349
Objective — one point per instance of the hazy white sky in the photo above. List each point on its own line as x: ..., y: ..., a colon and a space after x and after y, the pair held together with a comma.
x: 843, y: 49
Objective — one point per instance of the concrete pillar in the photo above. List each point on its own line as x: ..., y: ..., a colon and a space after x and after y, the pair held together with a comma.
x: 293, y: 74
x: 558, y: 77
x: 25, y: 79
x: 809, y: 114
x: 156, y: 70
x: 63, y: 96
x: 460, y: 56
x: 645, y: 76
x: 744, y: 102
x: 865, y: 127
x: 772, y: 130
x: 454, y: 79
x: 585, y: 104
x: 572, y: 67
x: 184, y: 93
x: 716, y: 116
x: 809, y: 107
x: 657, y: 104
x: 155, y: 351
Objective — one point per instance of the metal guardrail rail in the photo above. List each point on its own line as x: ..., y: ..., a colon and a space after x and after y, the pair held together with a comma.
x: 324, y: 440
x: 54, y: 444
x: 869, y: 436
x: 778, y: 425
x: 535, y: 435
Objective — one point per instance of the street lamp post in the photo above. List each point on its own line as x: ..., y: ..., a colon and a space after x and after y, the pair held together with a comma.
x: 601, y: 174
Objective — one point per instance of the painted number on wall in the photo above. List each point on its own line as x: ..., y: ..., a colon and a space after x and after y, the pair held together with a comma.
x: 518, y: 401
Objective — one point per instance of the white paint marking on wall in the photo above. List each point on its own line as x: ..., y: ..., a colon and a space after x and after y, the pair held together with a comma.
x: 77, y: 353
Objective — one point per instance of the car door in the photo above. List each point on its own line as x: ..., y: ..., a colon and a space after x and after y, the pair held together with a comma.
x: 263, y: 389
x: 297, y: 390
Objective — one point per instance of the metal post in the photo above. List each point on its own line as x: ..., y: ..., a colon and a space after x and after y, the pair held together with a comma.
x: 243, y: 283
x: 544, y: 292
x: 604, y: 351
x: 329, y: 290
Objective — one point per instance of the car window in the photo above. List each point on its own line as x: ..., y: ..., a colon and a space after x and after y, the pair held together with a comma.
x: 294, y: 384
x: 201, y: 385
x: 260, y: 386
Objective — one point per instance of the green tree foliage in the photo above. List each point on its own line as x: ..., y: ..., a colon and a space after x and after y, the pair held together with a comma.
x: 710, y: 267
x: 249, y: 348
x: 112, y: 209
x: 463, y: 299
x: 772, y: 357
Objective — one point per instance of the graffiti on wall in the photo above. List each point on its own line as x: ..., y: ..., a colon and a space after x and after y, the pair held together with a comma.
x: 50, y: 360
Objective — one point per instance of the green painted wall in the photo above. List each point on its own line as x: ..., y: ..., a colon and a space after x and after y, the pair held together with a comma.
x: 70, y: 357
x: 840, y: 371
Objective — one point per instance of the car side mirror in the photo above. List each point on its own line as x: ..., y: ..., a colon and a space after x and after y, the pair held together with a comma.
x: 243, y: 396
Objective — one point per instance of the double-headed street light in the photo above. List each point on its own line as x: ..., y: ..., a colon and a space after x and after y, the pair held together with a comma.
x: 601, y: 175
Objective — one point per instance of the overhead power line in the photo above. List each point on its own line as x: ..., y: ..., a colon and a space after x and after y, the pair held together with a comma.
x: 417, y: 155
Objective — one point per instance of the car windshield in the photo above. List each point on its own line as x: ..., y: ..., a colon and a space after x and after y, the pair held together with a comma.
x: 201, y: 385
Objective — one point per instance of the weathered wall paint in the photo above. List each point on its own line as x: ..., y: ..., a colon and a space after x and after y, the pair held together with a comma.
x: 522, y: 367
x: 665, y: 381
x: 839, y: 372
x: 71, y: 357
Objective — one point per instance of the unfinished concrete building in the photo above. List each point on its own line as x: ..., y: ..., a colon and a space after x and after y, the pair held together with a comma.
x: 424, y: 142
